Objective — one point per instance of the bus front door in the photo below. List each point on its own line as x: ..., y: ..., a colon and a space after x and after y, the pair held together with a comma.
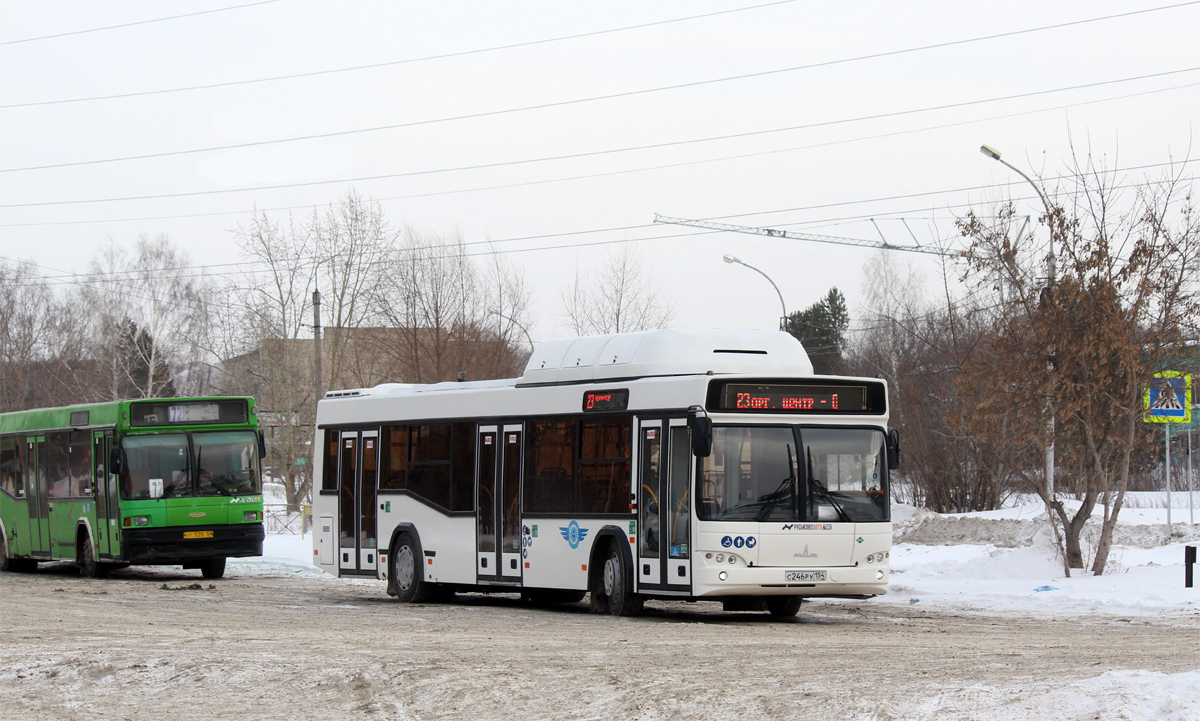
x: 664, y: 505
x: 498, y: 516
x: 106, y: 529
x: 358, y: 471
x: 35, y: 489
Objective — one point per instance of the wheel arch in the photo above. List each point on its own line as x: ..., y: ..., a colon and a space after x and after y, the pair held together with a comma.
x: 83, y: 528
x: 606, y: 536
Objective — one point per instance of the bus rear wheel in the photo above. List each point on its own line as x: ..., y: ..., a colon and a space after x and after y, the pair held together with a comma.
x: 783, y: 606
x: 621, y: 601
x: 213, y: 567
x: 89, y: 567
x: 406, y: 572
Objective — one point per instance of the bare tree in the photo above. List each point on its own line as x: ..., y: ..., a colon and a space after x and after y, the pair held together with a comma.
x: 1080, y: 345
x: 617, y: 299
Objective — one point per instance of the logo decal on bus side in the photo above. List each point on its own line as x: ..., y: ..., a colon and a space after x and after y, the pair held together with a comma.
x: 807, y: 527
x: 246, y: 499
x: 573, y: 534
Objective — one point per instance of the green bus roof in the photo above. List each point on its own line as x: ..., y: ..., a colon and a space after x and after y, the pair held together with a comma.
x: 115, y: 413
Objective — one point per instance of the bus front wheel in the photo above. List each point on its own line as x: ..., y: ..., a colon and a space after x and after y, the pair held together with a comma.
x: 213, y: 567
x: 783, y: 606
x: 89, y: 567
x: 407, y: 574
x: 7, y: 563
x: 621, y: 601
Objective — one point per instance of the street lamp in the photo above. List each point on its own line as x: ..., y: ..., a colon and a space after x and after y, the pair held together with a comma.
x: 514, y: 322
x: 994, y: 154
x: 782, y: 305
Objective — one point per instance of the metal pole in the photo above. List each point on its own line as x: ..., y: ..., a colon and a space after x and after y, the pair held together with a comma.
x: 1191, y: 492
x: 1167, y: 435
x: 317, y: 375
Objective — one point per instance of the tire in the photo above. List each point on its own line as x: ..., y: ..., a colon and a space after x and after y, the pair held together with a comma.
x: 7, y: 563
x: 615, y: 580
x: 407, y: 574
x: 783, y: 606
x: 213, y: 567
x: 89, y: 567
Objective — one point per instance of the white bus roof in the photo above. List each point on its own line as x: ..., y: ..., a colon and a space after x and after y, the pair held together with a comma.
x: 667, y: 352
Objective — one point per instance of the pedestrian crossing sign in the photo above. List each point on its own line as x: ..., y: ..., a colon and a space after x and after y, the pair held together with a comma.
x: 1168, y: 398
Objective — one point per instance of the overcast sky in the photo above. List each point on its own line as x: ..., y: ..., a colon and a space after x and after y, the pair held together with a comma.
x: 811, y: 116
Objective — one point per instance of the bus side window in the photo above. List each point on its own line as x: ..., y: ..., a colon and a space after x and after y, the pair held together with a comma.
x: 11, y: 473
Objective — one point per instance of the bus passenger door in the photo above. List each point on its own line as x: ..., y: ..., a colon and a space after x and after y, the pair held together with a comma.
x: 35, y: 489
x: 678, y: 508
x: 509, y: 494
x: 664, y: 505
x: 649, y: 500
x: 101, y: 530
x: 358, y: 470
x: 487, y: 549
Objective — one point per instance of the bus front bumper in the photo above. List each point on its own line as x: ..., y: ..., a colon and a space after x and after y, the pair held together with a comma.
x: 170, y: 546
x: 740, y: 580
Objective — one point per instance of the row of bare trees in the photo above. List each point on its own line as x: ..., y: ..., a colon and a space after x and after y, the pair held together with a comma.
x: 1050, y: 341
x: 397, y: 305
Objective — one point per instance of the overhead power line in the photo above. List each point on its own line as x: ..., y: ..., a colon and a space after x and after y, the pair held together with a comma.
x: 793, y: 235
x: 588, y: 176
x: 391, y: 63
x: 131, y: 24
x: 398, y: 175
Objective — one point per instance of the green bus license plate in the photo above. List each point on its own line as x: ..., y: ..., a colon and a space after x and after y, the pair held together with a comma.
x: 804, y: 575
x: 206, y: 534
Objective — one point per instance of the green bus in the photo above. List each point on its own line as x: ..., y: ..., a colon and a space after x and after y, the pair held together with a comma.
x: 164, y: 481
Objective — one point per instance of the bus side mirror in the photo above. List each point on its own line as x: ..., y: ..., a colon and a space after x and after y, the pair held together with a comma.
x: 262, y: 446
x: 893, y: 449
x: 701, y: 427
x: 114, y: 461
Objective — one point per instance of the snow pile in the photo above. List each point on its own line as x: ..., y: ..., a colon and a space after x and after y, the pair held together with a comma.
x: 1006, y: 559
x: 1127, y: 695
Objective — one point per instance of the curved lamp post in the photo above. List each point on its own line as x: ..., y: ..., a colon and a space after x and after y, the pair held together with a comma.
x: 994, y: 154
x: 528, y: 337
x: 782, y: 305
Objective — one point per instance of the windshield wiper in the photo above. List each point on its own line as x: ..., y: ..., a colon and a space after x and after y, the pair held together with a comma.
x: 814, y: 482
x: 211, y: 478
x: 773, y: 499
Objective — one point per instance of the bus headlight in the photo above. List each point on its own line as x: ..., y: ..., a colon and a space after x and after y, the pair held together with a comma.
x: 879, y: 574
x: 141, y: 520
x: 722, y: 575
x: 732, y: 558
x: 250, y: 516
x: 720, y: 558
x: 871, y: 558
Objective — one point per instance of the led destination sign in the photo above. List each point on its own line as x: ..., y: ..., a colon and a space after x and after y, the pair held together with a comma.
x: 614, y: 400
x: 799, y: 398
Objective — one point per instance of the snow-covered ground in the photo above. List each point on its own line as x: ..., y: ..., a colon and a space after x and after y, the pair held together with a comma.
x: 1002, y: 562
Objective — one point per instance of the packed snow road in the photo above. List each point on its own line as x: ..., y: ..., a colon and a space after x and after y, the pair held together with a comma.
x: 162, y: 643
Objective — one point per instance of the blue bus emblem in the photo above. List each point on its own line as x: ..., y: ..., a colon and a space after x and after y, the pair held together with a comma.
x: 727, y: 541
x: 573, y: 533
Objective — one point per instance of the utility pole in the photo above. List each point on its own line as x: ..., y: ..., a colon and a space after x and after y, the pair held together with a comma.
x: 317, y: 393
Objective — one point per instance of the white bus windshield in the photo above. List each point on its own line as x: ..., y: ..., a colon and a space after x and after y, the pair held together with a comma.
x: 784, y: 473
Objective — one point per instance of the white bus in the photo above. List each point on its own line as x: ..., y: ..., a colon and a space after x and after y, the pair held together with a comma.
x: 669, y: 464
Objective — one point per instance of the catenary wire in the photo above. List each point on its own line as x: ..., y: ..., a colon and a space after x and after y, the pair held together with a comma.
x: 390, y: 63
x: 625, y: 171
x: 799, y: 127
x: 137, y: 22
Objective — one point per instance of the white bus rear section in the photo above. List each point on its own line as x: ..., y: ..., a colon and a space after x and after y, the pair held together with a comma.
x: 663, y: 374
